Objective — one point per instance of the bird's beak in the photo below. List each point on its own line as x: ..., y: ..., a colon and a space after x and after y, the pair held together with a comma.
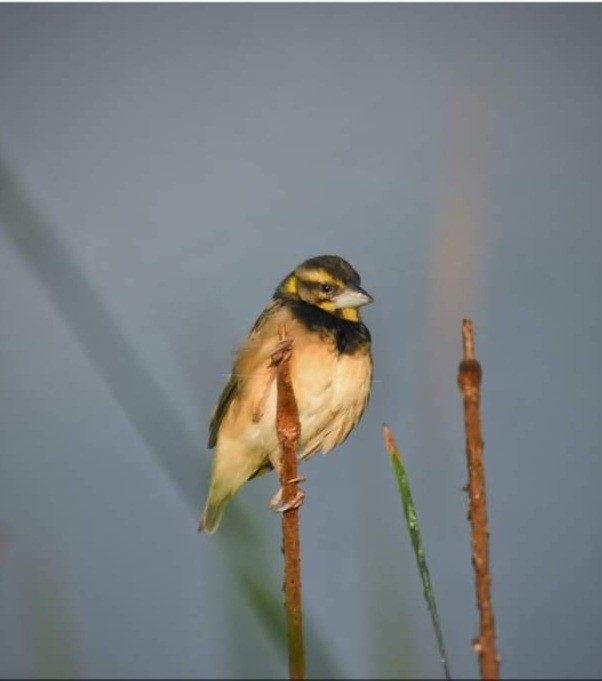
x: 352, y: 296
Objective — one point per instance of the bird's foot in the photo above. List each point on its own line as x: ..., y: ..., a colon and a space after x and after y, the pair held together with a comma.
x: 276, y: 504
x: 282, y: 351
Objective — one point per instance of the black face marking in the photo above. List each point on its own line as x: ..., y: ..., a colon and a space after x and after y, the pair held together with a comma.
x: 315, y: 292
x: 313, y: 285
x: 349, y: 336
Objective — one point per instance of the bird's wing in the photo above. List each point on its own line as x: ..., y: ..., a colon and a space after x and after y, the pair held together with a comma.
x: 269, y: 311
x: 247, y: 358
x: 220, y: 409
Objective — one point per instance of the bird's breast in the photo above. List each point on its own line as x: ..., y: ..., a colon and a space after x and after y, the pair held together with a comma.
x: 331, y: 391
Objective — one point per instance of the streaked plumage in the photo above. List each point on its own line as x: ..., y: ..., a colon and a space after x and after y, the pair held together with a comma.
x: 331, y: 370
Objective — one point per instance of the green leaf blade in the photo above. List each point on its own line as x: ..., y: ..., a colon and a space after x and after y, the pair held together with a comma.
x: 409, y: 509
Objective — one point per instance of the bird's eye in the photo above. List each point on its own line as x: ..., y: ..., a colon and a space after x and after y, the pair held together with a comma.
x: 327, y: 288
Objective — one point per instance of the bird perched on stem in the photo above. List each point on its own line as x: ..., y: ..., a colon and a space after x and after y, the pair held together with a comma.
x: 331, y: 372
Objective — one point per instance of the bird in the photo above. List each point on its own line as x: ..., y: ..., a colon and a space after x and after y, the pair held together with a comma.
x: 331, y: 370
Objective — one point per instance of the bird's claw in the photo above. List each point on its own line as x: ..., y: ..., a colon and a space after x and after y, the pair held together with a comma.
x: 283, y: 351
x: 276, y: 504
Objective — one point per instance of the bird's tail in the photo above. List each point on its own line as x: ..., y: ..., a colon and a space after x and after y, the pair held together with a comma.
x: 233, y: 465
x: 214, y: 509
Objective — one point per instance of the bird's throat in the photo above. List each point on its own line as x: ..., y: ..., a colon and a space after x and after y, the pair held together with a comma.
x: 350, y: 314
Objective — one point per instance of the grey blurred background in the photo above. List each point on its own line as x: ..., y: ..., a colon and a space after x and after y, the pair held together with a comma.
x: 162, y: 168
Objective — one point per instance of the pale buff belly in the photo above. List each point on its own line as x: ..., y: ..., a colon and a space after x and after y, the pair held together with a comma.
x: 331, y: 393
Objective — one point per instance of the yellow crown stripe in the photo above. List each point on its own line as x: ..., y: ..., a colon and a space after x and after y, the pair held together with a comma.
x: 321, y: 276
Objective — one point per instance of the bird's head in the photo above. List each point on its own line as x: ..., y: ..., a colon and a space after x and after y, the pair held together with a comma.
x: 327, y: 282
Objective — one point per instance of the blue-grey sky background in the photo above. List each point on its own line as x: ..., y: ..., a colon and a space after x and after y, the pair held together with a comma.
x: 163, y: 167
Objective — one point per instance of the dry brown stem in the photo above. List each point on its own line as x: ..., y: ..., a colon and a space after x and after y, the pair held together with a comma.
x: 289, y: 430
x: 469, y: 381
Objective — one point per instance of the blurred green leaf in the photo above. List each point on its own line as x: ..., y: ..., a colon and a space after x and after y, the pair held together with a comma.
x: 135, y: 389
x: 409, y: 510
x: 49, y: 624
